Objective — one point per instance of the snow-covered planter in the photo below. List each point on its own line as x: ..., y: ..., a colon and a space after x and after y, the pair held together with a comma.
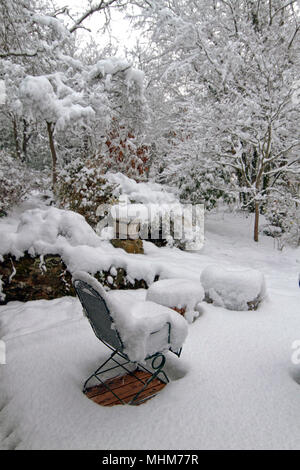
x: 234, y: 289
x: 182, y: 295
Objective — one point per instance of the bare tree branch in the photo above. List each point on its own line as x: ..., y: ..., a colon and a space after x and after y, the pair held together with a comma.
x: 102, y: 5
x: 281, y: 8
x: 17, y: 54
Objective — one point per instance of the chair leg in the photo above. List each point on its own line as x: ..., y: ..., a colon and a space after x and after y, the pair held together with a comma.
x: 97, y: 371
x: 158, y: 370
x: 156, y: 367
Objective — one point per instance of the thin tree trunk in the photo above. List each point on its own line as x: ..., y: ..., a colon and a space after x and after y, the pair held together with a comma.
x: 256, y: 222
x: 16, y: 138
x: 53, y: 154
x: 26, y: 137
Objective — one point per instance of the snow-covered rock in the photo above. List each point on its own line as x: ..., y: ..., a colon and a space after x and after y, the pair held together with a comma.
x: 235, y: 288
x: 179, y: 293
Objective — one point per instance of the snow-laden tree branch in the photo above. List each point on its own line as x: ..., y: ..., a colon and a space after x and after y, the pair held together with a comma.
x: 235, y: 64
x: 99, y: 6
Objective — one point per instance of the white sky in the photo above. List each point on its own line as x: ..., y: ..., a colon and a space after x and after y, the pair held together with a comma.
x: 122, y: 32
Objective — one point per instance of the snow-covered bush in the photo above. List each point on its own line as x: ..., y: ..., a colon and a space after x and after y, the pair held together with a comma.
x: 141, y: 192
x: 234, y: 289
x: 123, y: 151
x: 82, y: 187
x: 283, y: 217
x: 16, y: 181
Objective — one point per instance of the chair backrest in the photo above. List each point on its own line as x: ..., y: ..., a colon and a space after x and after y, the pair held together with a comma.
x: 98, y: 314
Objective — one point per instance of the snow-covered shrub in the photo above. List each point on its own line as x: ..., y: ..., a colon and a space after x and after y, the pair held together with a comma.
x: 142, y: 192
x: 283, y: 220
x: 124, y: 152
x: 234, y: 289
x: 16, y: 181
x: 82, y: 187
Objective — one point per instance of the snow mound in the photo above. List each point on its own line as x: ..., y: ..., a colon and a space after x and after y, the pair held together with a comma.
x: 136, y: 321
x: 180, y: 293
x: 234, y: 289
x: 145, y: 193
x: 42, y: 231
x: 46, y: 231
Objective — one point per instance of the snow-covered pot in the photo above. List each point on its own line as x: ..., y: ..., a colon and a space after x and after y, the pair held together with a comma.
x: 182, y: 295
x: 234, y: 288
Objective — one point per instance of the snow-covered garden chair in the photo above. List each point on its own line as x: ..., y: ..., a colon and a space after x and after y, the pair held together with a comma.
x: 134, y: 331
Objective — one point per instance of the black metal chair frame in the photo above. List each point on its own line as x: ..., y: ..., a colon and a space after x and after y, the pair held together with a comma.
x: 117, y: 348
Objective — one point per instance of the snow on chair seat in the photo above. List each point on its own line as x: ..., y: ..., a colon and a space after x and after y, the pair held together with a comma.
x: 134, y: 331
x: 182, y: 295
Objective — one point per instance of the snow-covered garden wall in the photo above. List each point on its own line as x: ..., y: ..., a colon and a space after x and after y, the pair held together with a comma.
x: 41, y: 248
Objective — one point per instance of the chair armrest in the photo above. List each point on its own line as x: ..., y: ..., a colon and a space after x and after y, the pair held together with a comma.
x: 178, y: 352
x: 169, y: 331
x: 159, y: 340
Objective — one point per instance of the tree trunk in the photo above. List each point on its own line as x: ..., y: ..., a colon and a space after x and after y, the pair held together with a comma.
x: 53, y: 153
x: 16, y: 138
x: 26, y: 137
x: 256, y: 222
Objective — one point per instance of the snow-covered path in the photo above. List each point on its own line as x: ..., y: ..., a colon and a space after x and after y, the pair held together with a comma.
x: 234, y: 387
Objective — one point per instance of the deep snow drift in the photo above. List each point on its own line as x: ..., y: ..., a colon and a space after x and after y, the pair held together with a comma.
x: 235, y: 385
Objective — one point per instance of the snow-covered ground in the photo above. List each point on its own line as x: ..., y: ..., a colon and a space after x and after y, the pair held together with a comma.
x: 235, y: 385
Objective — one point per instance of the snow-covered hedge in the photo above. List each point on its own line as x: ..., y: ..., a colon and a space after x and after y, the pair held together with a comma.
x: 235, y: 288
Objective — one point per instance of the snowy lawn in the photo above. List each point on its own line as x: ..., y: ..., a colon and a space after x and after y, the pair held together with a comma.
x: 234, y: 387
